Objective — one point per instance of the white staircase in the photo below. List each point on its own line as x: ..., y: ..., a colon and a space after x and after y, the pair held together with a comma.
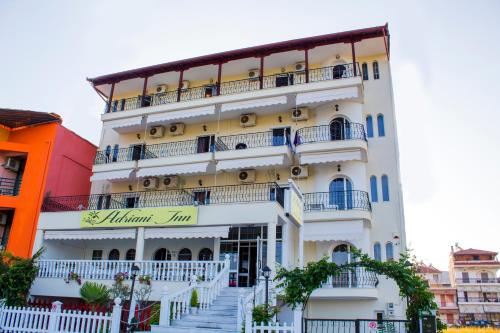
x: 220, y: 317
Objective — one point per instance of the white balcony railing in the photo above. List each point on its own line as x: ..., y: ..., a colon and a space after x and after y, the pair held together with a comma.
x: 107, y: 269
x: 358, y: 277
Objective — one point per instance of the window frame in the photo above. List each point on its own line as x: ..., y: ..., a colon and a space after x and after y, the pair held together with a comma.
x: 377, y: 246
x: 381, y: 125
x: 364, y: 71
x: 385, y: 188
x: 389, y: 245
x: 370, y: 133
x: 373, y: 189
x: 376, y: 70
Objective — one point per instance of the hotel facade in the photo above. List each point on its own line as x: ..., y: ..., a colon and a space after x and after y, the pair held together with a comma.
x: 278, y: 154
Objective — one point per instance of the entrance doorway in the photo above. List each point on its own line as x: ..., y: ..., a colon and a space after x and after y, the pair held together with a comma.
x: 247, y: 264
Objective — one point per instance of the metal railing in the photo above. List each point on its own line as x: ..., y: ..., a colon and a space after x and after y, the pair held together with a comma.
x: 487, y: 299
x: 244, y: 193
x: 251, y: 140
x: 179, y: 148
x: 336, y: 200
x: 479, y: 280
x: 332, y: 132
x: 355, y: 326
x: 357, y: 277
x: 9, y: 186
x: 340, y: 71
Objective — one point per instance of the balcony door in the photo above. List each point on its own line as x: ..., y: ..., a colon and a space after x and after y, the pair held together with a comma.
x: 340, y: 129
x: 340, y: 195
x: 281, y: 136
x: 205, y: 144
x: 342, y: 255
x: 465, y: 277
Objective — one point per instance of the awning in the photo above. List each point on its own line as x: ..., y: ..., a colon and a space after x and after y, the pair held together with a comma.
x: 193, y: 232
x: 180, y: 114
x: 254, y: 103
x: 178, y: 169
x: 326, y: 95
x: 90, y: 234
x: 125, y: 124
x: 333, y: 231
x: 255, y: 162
x: 331, y: 157
x: 111, y: 175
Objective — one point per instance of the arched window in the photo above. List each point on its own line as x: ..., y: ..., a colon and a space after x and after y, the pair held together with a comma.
x: 369, y: 126
x: 389, y: 251
x: 115, y: 153
x: 385, y: 188
x: 340, y: 195
x: 377, y: 251
x: 114, y: 255
x: 373, y: 189
x: 162, y: 254
x: 376, y: 73
x: 380, y: 125
x: 130, y: 255
x: 205, y: 255
x: 340, y: 129
x: 184, y: 255
x: 364, y: 69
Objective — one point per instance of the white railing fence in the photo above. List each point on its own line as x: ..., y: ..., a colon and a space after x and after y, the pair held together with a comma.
x: 41, y: 320
x: 173, y: 306
x: 247, y: 303
x: 107, y: 269
x: 272, y: 328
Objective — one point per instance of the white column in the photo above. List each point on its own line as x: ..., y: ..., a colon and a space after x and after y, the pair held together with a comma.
x: 216, y: 249
x: 301, y: 246
x: 139, y: 244
x: 165, y: 307
x: 271, y: 247
x: 38, y: 243
x: 116, y: 316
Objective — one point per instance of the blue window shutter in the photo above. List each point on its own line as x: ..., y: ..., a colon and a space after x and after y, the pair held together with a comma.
x: 377, y: 251
x: 380, y: 125
x: 385, y: 188
x: 373, y: 189
x: 389, y: 251
x: 369, y: 126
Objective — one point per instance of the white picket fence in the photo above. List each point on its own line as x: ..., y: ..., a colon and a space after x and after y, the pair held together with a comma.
x: 40, y: 320
x: 273, y: 328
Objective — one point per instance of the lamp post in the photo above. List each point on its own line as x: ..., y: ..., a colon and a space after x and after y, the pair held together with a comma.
x: 266, y: 273
x: 135, y: 269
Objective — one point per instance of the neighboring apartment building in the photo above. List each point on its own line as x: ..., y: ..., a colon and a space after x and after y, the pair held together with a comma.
x: 194, y: 164
x: 39, y: 157
x: 445, y: 294
x: 474, y: 273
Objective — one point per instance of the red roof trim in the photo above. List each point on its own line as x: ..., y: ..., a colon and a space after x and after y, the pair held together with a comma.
x: 255, y: 51
x: 474, y: 251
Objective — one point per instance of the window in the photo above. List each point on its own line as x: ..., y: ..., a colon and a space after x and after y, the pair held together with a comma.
x: 385, y: 188
x: 96, y: 254
x: 369, y: 126
x: 380, y: 125
x: 340, y: 196
x: 364, y: 69
x: 184, y: 255
x: 162, y: 254
x: 107, y: 153
x: 389, y: 251
x: 377, y: 251
x: 373, y: 189
x: 340, y: 129
x: 115, y: 153
x: 484, y: 277
x: 342, y: 255
x: 465, y: 277
x: 475, y: 257
x: 205, y: 255
x: 130, y: 255
x: 114, y: 255
x: 376, y: 73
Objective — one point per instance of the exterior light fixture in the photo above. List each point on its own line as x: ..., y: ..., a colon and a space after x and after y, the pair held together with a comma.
x: 280, y: 119
x: 205, y: 128
x: 266, y: 273
x: 130, y: 187
x: 200, y: 182
x: 336, y: 107
x: 135, y: 270
x: 138, y: 136
x: 338, y: 168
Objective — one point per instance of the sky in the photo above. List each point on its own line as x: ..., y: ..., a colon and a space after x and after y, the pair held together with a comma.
x: 445, y: 64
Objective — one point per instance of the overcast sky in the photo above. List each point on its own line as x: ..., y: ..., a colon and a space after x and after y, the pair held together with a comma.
x: 445, y: 57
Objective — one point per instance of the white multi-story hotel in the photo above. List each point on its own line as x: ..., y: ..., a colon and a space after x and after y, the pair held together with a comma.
x: 275, y: 154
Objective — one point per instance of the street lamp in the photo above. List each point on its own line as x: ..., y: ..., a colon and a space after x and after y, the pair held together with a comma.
x: 135, y: 269
x: 266, y: 273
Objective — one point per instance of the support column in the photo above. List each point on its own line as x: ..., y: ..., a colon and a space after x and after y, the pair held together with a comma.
x: 110, y: 99
x: 306, y: 61
x: 285, y: 245
x: 144, y: 91
x: 219, y: 78
x: 139, y: 244
x: 261, y: 73
x: 354, y: 59
x: 301, y: 246
x: 179, y: 89
x: 217, y: 249
x: 271, y: 248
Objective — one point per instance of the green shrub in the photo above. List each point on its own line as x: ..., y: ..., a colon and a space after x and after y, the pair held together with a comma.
x: 264, y: 313
x: 194, y: 299
x: 155, y: 314
x: 94, y: 294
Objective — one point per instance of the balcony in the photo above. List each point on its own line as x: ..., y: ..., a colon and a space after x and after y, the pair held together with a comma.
x: 337, y: 142
x: 253, y: 150
x: 357, y: 283
x: 337, y: 206
x: 9, y: 186
x: 495, y: 280
x: 343, y: 74
x: 485, y: 299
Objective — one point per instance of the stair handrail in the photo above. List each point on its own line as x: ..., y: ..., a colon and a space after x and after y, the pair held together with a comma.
x: 256, y: 297
x: 207, y: 293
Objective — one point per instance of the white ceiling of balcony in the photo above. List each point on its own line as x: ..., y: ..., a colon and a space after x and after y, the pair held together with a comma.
x: 127, y: 125
x: 180, y: 169
x: 191, y: 232
x: 333, y: 231
x: 90, y: 234
x: 331, y: 157
x: 245, y: 163
x: 111, y: 175
x: 317, y: 97
x: 262, y: 103
x: 166, y: 117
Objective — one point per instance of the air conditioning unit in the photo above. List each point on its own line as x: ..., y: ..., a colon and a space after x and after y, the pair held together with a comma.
x: 248, y: 120
x: 156, y: 131
x: 246, y: 176
x: 299, y: 171
x: 150, y: 183
x: 253, y: 74
x: 161, y: 89
x: 390, y: 306
x: 299, y: 114
x: 171, y: 181
x: 185, y: 85
x: 300, y: 66
x: 176, y: 129
x: 12, y: 164
x: 3, y: 219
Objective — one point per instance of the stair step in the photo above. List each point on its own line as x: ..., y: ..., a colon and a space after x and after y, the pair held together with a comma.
x: 212, y: 312
x: 201, y: 318
x: 170, y: 329
x: 204, y: 324
x: 224, y: 307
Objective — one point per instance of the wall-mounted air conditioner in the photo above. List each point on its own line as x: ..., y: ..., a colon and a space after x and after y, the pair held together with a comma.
x: 299, y: 114
x: 150, y: 183
x: 246, y: 176
x: 176, y: 129
x: 157, y: 131
x: 12, y: 164
x: 299, y: 171
x: 248, y: 120
x: 171, y: 181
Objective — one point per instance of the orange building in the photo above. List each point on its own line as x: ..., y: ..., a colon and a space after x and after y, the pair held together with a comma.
x: 38, y: 157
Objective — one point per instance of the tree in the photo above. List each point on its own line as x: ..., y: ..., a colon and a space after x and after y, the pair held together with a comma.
x: 94, y: 294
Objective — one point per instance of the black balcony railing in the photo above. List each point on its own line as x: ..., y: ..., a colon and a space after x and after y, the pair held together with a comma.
x: 178, y: 148
x: 357, y: 277
x: 336, y: 72
x: 333, y: 132
x: 486, y: 299
x: 9, y: 186
x: 336, y: 200
x: 251, y: 140
x: 355, y: 325
x: 479, y: 280
x: 259, y: 192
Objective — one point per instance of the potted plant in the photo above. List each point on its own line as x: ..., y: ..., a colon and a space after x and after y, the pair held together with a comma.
x: 194, y: 301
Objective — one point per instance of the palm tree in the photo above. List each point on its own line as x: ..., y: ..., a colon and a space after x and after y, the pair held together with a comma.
x: 94, y: 294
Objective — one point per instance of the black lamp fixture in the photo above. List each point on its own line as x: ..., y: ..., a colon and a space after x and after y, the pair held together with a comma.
x: 339, y: 168
x: 336, y: 107
x: 138, y: 136
x: 135, y: 270
x: 200, y: 182
x: 280, y: 119
x: 204, y: 128
x: 130, y: 188
x: 266, y: 273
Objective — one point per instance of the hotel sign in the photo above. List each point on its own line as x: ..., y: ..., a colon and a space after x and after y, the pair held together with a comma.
x: 140, y: 217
